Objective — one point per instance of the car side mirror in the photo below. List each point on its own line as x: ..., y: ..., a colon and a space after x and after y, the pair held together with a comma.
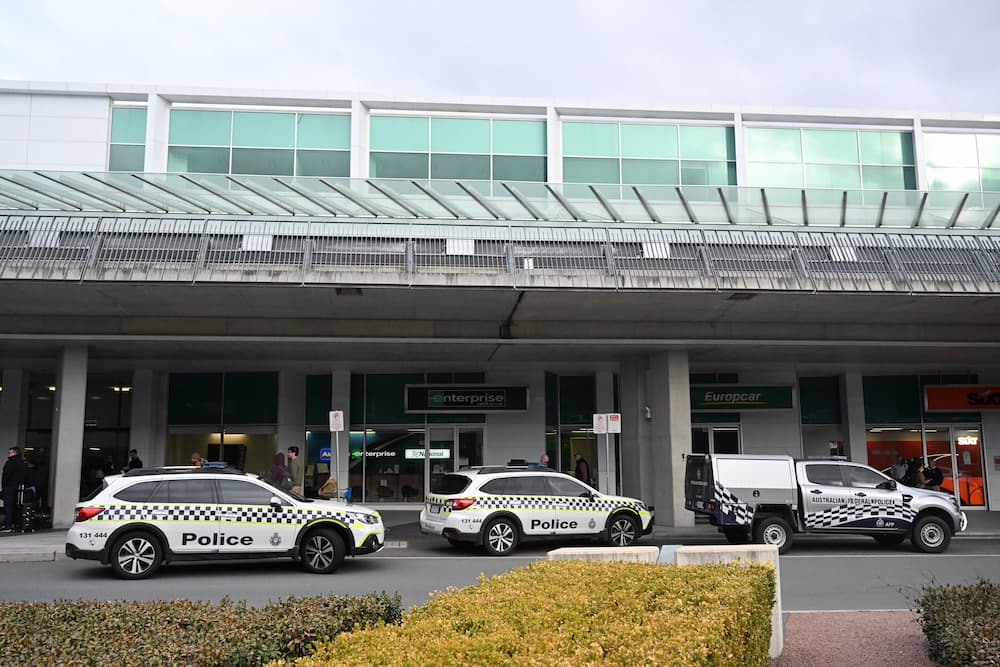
x: 275, y: 502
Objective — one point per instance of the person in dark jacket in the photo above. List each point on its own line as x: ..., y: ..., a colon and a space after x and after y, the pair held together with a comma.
x: 13, y: 477
x: 280, y: 476
x: 133, y: 461
x: 582, y: 471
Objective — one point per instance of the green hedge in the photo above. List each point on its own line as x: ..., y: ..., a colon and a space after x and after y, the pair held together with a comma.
x: 180, y: 632
x: 578, y: 613
x: 962, y: 623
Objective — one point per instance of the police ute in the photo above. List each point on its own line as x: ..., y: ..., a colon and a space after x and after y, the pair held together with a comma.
x: 149, y: 516
x: 767, y: 499
x: 497, y: 507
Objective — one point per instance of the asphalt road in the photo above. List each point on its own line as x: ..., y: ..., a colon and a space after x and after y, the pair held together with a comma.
x: 818, y: 574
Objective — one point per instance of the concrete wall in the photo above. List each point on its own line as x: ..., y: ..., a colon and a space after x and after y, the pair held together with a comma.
x: 57, y: 132
x: 517, y: 435
x: 771, y: 431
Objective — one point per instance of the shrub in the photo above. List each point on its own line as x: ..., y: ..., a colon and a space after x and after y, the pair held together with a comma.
x: 578, y: 613
x: 180, y: 632
x: 962, y: 623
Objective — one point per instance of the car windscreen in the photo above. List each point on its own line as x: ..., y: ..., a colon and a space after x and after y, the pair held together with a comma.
x: 451, y: 484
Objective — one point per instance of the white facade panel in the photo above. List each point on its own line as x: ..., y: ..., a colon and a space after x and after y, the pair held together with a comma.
x: 52, y: 128
x: 14, y: 104
x: 70, y: 106
x: 14, y: 127
x: 772, y: 431
x: 13, y: 154
x: 79, y: 156
x: 517, y: 435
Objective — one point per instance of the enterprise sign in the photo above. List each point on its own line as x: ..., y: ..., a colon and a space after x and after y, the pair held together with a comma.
x: 464, y: 399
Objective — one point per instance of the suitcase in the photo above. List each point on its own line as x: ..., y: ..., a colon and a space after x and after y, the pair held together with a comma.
x: 24, y: 519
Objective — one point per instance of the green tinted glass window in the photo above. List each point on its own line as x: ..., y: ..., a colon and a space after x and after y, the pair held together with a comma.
x: 762, y: 174
x: 519, y: 137
x: 773, y: 144
x: 648, y: 140
x: 519, y: 168
x: 989, y: 150
x: 650, y: 172
x: 886, y: 147
x: 830, y: 146
x: 963, y: 179
x: 991, y: 180
x: 264, y: 130
x: 694, y: 172
x: 461, y: 167
x: 891, y: 399
x: 399, y: 165
x: 197, y: 160
x: 384, y: 398
x: 590, y: 139
x: 128, y: 125
x: 888, y: 178
x: 847, y: 177
x: 126, y: 158
x: 324, y: 131
x: 400, y: 133
x: 265, y: 161
x: 576, y: 399
x: 950, y: 150
x: 322, y: 163
x: 319, y: 399
x: 819, y: 400
x: 200, y: 128
x: 583, y: 170
x: 708, y: 143
x: 460, y: 135
x: 194, y: 398
x: 250, y: 398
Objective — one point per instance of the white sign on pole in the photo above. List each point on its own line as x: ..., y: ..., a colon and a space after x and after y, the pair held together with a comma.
x: 336, y: 421
x: 600, y: 423
x: 615, y: 422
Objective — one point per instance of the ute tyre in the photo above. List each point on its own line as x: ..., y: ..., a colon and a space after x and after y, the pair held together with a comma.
x: 889, y: 540
x: 322, y: 551
x: 736, y: 535
x: 931, y: 535
x: 500, y: 537
x: 136, y: 555
x: 773, y: 530
x: 623, y: 531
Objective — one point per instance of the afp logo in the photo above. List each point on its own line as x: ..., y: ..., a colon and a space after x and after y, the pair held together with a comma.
x: 275, y: 540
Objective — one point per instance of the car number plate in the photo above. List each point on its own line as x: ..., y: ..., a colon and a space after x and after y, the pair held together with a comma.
x: 435, y: 509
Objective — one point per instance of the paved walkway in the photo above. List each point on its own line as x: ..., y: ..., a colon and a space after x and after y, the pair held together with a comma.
x: 852, y: 639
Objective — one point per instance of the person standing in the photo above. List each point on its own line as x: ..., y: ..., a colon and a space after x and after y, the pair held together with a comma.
x: 544, y: 461
x: 196, y: 459
x: 582, y: 471
x: 133, y: 461
x: 279, y: 473
x: 296, y: 468
x: 13, y: 477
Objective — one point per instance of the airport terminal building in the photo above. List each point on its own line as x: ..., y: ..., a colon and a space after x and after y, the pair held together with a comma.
x: 470, y: 281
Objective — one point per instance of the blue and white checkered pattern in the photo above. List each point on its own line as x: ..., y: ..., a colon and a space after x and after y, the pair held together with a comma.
x: 842, y: 515
x: 731, y: 511
x: 256, y: 514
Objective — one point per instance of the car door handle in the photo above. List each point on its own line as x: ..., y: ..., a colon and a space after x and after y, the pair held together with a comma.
x: 160, y: 514
x: 562, y: 505
x: 816, y: 492
x: 230, y: 517
x: 861, y: 494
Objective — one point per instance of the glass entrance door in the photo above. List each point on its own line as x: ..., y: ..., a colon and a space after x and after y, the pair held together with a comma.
x: 451, y: 448
x: 958, y: 452
x: 715, y: 440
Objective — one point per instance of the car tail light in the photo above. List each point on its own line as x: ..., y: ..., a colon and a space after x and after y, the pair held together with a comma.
x: 460, y: 503
x: 84, y: 513
x: 711, y: 505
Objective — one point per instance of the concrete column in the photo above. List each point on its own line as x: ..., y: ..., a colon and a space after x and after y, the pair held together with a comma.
x: 359, y: 139
x: 553, y: 143
x: 157, y: 133
x: 669, y: 390
x: 990, y: 443
x: 853, y: 402
x: 918, y: 154
x: 637, y: 474
x: 142, y: 428
x: 12, y: 398
x: 67, y: 433
x: 342, y: 401
x: 607, y: 472
x: 291, y: 411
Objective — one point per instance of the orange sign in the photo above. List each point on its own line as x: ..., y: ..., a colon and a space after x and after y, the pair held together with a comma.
x: 961, y: 398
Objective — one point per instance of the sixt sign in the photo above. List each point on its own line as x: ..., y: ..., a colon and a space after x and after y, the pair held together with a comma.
x: 464, y: 399
x: 961, y: 398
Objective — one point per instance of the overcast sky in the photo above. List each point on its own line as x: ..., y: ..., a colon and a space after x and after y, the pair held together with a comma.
x: 905, y: 55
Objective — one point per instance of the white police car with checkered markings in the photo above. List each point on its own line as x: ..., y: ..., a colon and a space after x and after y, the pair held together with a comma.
x: 149, y: 516
x: 498, y: 506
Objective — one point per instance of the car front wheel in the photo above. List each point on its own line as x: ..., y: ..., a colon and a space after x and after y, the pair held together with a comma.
x: 322, y: 551
x: 136, y: 556
x: 931, y: 535
x: 500, y: 537
x: 623, y: 531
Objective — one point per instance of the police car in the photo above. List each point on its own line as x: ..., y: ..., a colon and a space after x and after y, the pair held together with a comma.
x: 497, y: 507
x: 150, y: 516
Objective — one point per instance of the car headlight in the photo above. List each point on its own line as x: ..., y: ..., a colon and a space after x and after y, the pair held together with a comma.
x: 370, y: 519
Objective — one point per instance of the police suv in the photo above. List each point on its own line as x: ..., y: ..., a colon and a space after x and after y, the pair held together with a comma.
x: 150, y: 516
x: 498, y: 506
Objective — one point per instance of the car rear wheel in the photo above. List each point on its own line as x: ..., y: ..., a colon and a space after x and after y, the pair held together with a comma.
x: 500, y: 537
x: 889, y: 540
x: 623, y: 531
x: 931, y: 535
x: 773, y: 530
x: 136, y: 556
x: 322, y: 551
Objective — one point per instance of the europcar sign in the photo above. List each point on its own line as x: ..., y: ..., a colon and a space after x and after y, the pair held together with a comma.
x: 732, y: 398
x: 464, y: 399
x: 961, y: 398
